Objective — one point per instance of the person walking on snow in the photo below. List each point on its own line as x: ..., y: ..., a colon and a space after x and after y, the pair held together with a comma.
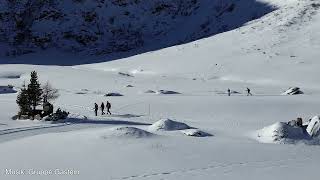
x: 229, y: 92
x: 249, y: 92
x: 108, y: 105
x: 102, y: 108
x: 96, y: 107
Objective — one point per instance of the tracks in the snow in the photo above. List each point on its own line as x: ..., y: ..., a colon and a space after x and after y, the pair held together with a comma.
x: 28, y: 128
x: 22, y: 132
x: 263, y: 164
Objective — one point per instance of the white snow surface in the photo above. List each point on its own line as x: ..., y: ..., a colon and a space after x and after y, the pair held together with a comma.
x: 268, y: 55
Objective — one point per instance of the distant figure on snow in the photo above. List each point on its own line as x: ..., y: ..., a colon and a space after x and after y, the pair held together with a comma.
x: 108, y: 105
x: 229, y: 92
x: 249, y: 92
x: 102, y: 108
x: 96, y: 107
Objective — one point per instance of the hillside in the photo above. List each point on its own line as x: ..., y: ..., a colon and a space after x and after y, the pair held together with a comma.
x: 117, y: 28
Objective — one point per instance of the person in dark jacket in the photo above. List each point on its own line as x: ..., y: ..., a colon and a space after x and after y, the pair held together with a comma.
x: 229, y: 92
x: 108, y: 105
x: 249, y: 92
x: 96, y: 107
x: 102, y: 108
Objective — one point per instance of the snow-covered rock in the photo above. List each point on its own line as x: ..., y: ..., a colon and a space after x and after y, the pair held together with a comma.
x: 195, y: 132
x: 114, y: 94
x: 167, y: 92
x: 126, y: 132
x: 168, y: 125
x: 281, y: 132
x: 292, y: 91
x: 313, y: 127
x: 149, y: 91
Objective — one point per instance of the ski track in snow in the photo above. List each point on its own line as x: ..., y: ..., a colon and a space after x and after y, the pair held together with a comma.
x: 263, y: 165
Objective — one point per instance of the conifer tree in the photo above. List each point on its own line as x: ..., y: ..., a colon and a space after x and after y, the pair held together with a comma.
x: 34, y: 91
x: 23, y: 102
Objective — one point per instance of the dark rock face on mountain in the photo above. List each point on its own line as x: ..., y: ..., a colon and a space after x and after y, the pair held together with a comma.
x: 102, y: 27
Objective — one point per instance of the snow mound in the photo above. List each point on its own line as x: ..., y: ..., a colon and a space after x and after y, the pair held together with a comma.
x: 113, y: 94
x: 292, y: 91
x: 126, y: 132
x: 313, y: 128
x: 168, y: 125
x: 167, y: 92
x: 281, y: 132
x: 196, y: 133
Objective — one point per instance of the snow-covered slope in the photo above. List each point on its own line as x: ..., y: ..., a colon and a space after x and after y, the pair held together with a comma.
x: 116, y: 27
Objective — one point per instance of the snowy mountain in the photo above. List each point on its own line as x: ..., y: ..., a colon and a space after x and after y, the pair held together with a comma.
x: 100, y: 27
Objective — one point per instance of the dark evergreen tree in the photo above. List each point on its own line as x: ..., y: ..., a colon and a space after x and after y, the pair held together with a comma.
x: 34, y: 91
x: 23, y: 102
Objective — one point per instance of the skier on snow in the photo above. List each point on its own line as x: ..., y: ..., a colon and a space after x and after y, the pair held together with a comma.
x: 248, y: 92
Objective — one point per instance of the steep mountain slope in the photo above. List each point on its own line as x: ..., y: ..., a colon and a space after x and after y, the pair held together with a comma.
x: 116, y: 27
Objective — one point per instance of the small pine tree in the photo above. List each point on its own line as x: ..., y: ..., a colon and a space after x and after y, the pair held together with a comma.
x: 34, y: 91
x: 23, y: 102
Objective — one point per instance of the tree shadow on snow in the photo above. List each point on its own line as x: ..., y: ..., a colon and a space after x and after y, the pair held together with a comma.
x: 210, y: 18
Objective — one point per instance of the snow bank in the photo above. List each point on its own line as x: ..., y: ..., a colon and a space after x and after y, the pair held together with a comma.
x: 292, y: 91
x: 168, y: 125
x: 281, y: 132
x: 126, y: 132
x: 313, y: 128
x: 195, y: 132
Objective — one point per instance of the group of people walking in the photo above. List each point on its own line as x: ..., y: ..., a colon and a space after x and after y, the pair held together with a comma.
x: 102, y: 106
x: 248, y: 92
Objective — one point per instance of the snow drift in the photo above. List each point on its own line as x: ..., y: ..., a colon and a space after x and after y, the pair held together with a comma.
x: 168, y: 125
